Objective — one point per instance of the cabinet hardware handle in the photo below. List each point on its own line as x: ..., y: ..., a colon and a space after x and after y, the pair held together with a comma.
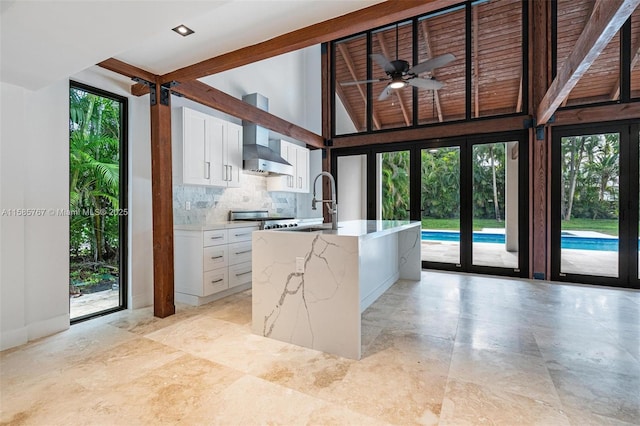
x: 230, y: 173
x: 216, y: 257
x: 243, y: 273
x: 208, y: 169
x: 217, y: 281
x: 243, y: 252
x: 217, y: 237
x: 240, y: 235
x: 300, y: 182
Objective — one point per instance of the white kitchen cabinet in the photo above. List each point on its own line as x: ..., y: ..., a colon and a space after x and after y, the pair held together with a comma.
x: 211, y: 263
x: 210, y: 149
x: 226, y: 153
x: 298, y: 157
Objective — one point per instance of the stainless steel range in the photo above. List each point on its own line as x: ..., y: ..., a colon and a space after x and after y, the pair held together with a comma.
x: 268, y: 221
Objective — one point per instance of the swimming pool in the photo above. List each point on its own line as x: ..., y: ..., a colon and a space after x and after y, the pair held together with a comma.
x: 567, y: 241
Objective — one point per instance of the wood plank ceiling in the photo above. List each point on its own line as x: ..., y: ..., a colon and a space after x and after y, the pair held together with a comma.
x: 496, y: 49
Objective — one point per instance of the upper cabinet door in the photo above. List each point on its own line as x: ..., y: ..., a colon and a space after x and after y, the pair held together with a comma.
x: 217, y: 156
x: 234, y: 154
x: 195, y: 148
x: 302, y: 169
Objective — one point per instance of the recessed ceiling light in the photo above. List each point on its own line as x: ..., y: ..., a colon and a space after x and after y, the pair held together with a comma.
x: 183, y: 30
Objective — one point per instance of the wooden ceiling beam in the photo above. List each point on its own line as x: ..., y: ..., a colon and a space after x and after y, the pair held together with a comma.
x: 429, y: 52
x: 352, y: 23
x: 431, y: 132
x: 130, y: 71
x: 605, y: 21
x: 216, y: 99
x: 344, y: 52
x: 347, y: 106
x: 385, y: 52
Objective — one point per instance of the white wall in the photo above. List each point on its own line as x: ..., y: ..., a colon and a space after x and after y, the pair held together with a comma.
x: 352, y: 187
x: 34, y: 256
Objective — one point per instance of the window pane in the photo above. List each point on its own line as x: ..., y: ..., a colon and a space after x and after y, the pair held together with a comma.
x: 635, y: 54
x: 95, y: 124
x: 396, y: 110
x: 589, y: 205
x: 352, y: 187
x: 393, y: 173
x: 440, y: 204
x: 438, y: 35
x: 496, y: 63
x: 351, y: 100
x: 601, y: 82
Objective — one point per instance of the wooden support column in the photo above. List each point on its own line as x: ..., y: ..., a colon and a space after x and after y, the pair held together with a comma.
x: 327, y: 118
x: 539, y: 219
x: 162, y: 202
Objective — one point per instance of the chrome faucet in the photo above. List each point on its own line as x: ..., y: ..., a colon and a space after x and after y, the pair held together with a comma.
x: 333, y: 208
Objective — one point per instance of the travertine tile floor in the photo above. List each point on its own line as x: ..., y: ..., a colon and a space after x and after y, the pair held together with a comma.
x: 450, y: 349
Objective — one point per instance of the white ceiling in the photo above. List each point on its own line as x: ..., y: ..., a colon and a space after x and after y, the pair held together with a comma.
x: 45, y: 41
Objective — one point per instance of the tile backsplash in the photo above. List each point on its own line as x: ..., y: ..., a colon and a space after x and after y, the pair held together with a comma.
x: 210, y: 204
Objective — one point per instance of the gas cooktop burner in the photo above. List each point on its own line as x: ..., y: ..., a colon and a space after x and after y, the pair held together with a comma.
x: 262, y: 216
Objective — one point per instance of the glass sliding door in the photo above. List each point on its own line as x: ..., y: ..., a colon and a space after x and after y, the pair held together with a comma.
x: 440, y: 204
x: 595, y: 203
x: 495, y: 204
x: 589, y: 204
x: 97, y: 202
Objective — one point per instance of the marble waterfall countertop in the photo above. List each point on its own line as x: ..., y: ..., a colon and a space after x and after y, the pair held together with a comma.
x: 311, y: 286
x: 362, y: 228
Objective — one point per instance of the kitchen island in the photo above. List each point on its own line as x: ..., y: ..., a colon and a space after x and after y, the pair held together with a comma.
x: 311, y: 286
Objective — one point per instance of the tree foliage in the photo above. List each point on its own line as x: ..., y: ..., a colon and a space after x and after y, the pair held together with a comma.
x: 590, y: 168
x: 94, y: 175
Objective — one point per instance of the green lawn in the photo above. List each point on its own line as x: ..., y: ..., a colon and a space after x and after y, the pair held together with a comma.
x: 606, y: 226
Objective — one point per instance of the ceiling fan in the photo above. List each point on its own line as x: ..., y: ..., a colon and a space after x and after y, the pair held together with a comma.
x: 400, y: 75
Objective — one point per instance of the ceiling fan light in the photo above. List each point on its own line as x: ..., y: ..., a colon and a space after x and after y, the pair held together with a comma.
x: 398, y: 84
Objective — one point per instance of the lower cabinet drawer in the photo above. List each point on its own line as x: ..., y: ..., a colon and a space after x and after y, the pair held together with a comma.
x: 239, y: 252
x: 215, y: 281
x: 240, y: 274
x: 215, y: 257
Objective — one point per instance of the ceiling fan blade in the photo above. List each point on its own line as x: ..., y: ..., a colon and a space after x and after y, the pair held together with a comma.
x: 431, y: 64
x: 353, y: 83
x: 385, y: 93
x: 425, y: 83
x: 383, y: 62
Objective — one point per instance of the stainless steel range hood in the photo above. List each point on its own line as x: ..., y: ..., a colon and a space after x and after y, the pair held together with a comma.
x: 260, y: 155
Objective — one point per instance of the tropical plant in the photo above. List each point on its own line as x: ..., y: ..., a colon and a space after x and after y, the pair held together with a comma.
x: 94, y: 132
x: 395, y: 185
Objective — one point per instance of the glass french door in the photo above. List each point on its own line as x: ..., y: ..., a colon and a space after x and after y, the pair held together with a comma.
x: 97, y: 202
x: 466, y: 193
x: 440, y: 204
x: 595, y: 205
x: 472, y: 206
